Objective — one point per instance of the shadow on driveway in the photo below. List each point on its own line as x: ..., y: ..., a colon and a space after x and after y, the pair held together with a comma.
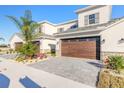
x: 4, y: 81
x: 28, y: 83
x: 99, y: 65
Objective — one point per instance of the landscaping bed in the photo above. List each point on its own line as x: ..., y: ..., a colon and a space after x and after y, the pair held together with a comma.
x: 112, y: 75
x: 110, y: 79
x: 23, y: 59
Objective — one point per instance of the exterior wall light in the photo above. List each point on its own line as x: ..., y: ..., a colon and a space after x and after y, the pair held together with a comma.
x: 121, y: 40
x: 103, y: 41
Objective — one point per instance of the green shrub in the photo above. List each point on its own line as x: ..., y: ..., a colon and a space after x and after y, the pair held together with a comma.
x: 28, y: 49
x: 115, y: 62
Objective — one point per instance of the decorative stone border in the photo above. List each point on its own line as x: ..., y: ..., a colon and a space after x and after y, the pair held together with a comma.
x: 110, y: 79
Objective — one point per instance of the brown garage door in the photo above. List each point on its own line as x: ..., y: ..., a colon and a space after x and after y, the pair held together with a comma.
x: 81, y: 47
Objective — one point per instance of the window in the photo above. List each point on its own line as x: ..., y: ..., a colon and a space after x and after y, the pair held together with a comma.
x: 91, y: 19
x: 74, y: 26
x: 60, y: 29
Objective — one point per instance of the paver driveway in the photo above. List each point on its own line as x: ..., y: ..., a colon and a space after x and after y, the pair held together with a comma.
x: 81, y: 70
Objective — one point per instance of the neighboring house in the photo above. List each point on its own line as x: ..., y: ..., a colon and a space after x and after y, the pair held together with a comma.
x: 45, y: 43
x: 4, y: 48
x: 94, y: 34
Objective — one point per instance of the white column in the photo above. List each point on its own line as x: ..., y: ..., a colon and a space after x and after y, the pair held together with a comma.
x: 41, y: 45
x: 58, y: 47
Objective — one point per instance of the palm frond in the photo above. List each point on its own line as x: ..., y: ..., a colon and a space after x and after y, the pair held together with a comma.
x: 27, y: 26
x: 33, y: 28
x: 25, y: 21
x: 16, y: 21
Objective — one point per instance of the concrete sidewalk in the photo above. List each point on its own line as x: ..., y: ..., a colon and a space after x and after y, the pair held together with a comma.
x: 16, y: 70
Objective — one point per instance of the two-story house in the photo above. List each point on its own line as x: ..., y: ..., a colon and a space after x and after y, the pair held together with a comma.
x: 94, y: 34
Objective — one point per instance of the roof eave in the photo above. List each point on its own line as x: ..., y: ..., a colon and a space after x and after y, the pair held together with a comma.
x: 88, y: 8
x: 67, y: 22
x: 86, y: 31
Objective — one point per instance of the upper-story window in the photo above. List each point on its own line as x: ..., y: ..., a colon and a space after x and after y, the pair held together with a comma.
x: 74, y: 26
x: 91, y: 19
x: 60, y: 29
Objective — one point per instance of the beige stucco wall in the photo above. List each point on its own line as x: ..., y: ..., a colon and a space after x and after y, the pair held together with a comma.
x: 49, y: 29
x: 42, y: 27
x: 104, y: 15
x: 112, y: 36
x: 45, y: 44
x: 14, y: 39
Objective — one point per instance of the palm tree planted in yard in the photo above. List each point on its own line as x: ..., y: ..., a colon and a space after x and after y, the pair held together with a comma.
x: 26, y: 25
x: 27, y: 28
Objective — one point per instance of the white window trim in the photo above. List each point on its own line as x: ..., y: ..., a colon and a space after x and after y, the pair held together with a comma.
x: 86, y: 19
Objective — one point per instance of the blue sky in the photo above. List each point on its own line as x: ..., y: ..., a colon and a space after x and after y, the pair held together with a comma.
x: 54, y: 14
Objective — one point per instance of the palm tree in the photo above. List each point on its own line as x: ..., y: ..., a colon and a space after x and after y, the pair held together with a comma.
x: 27, y: 28
x: 26, y: 25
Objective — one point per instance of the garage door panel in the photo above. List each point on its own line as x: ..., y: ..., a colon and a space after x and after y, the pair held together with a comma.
x: 81, y: 49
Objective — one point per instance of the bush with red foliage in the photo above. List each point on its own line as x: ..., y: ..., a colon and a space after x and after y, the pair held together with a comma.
x: 41, y: 55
